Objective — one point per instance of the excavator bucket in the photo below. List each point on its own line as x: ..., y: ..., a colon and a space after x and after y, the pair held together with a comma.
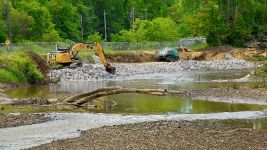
x: 111, y: 70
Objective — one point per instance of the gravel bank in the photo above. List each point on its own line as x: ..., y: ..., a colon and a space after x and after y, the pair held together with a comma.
x: 228, y: 94
x: 124, y: 70
x: 164, y: 135
x: 14, y: 120
x: 30, y: 101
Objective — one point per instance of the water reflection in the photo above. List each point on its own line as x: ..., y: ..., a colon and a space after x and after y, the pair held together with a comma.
x: 175, y: 81
x: 256, y: 124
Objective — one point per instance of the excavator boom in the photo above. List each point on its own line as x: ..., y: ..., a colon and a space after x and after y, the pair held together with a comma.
x: 71, y: 56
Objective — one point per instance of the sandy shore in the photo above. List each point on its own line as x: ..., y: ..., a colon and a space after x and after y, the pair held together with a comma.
x: 164, y: 135
x: 14, y: 120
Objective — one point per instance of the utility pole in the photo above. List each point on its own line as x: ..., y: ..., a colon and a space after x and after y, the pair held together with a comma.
x: 133, y: 15
x: 82, y: 27
x: 105, y: 24
x: 9, y: 23
x: 145, y: 13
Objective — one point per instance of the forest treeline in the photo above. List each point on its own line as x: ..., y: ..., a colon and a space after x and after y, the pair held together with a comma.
x: 233, y: 22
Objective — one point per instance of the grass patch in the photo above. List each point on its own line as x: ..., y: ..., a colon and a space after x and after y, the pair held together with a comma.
x: 18, y: 67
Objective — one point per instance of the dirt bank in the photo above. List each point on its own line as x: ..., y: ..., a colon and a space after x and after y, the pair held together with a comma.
x: 209, y: 54
x: 237, y: 94
x: 164, y: 135
x: 14, y: 120
x: 137, y: 57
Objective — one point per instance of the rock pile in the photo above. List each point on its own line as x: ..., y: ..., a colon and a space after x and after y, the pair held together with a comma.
x: 124, y: 70
x: 30, y: 101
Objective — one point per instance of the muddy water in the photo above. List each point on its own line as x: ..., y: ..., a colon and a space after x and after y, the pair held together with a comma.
x: 175, y: 81
x: 142, y: 104
x: 128, y: 108
x: 139, y: 103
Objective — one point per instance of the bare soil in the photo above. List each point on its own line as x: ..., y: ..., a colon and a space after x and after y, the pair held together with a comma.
x: 164, y: 135
x: 209, y: 54
x: 40, y: 62
x: 14, y: 120
x: 137, y: 57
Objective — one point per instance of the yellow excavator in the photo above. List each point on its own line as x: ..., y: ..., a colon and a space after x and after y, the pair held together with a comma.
x: 69, y: 56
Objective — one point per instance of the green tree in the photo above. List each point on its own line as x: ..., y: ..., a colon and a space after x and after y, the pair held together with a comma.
x: 159, y: 29
x: 42, y: 24
x: 96, y: 37
x: 65, y: 17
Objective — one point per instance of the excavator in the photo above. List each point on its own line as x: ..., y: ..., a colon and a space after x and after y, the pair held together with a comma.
x: 69, y: 56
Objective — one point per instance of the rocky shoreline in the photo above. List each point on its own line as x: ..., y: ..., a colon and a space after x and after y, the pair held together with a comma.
x: 124, y: 70
x: 15, y: 120
x: 241, y: 94
x: 164, y: 135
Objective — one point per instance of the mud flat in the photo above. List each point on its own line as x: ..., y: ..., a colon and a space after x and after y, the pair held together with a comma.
x: 246, y: 95
x: 164, y: 135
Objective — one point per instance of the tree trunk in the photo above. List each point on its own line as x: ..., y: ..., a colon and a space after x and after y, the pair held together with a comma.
x: 220, y: 7
x: 80, y: 99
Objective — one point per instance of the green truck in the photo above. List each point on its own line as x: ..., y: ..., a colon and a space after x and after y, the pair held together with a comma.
x: 168, y: 54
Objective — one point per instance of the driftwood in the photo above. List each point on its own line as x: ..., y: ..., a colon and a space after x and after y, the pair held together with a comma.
x: 80, y: 99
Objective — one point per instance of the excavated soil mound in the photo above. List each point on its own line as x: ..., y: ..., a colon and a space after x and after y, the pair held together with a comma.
x: 40, y: 62
x: 249, y: 52
x: 202, y: 56
x: 139, y: 57
x: 215, y: 53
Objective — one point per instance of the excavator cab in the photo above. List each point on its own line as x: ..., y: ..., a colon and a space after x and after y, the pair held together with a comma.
x: 69, y: 56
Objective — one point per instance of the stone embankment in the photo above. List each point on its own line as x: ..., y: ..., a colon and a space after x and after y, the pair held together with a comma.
x: 124, y: 70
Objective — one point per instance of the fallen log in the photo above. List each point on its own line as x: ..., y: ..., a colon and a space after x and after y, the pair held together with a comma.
x: 81, y: 99
x: 79, y: 96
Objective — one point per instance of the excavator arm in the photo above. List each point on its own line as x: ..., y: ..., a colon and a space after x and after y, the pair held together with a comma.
x: 93, y: 46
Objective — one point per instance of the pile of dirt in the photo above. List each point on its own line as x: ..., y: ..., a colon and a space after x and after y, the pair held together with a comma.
x: 249, y: 52
x: 164, y: 135
x: 14, y: 120
x: 202, y: 56
x: 219, y: 49
x: 138, y: 57
x: 215, y: 53
x: 40, y: 62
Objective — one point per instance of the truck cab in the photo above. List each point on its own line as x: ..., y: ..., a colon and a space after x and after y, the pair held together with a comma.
x: 168, y: 54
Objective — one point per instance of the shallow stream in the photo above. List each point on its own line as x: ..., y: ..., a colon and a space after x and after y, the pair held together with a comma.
x: 129, y: 108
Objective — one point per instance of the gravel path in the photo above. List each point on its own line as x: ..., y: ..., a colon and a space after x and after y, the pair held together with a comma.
x: 124, y: 70
x: 164, y: 135
x: 14, y: 120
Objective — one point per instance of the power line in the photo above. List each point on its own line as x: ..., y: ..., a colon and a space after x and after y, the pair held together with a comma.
x: 145, y: 13
x: 133, y: 17
x: 82, y: 27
